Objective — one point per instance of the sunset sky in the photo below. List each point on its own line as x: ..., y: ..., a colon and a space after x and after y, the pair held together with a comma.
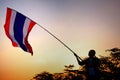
x: 80, y: 24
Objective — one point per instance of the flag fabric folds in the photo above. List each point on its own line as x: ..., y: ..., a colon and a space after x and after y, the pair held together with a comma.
x: 17, y: 28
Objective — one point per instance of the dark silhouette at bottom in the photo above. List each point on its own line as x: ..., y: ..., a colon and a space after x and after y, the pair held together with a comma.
x: 92, y: 64
x: 104, y: 68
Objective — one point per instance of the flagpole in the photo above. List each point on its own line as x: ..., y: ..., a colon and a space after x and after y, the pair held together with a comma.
x: 52, y: 35
x: 59, y: 40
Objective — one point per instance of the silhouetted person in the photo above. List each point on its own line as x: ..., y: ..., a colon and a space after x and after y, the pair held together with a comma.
x: 92, y: 64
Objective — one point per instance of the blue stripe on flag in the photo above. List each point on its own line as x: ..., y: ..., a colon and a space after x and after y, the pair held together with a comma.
x: 18, y: 29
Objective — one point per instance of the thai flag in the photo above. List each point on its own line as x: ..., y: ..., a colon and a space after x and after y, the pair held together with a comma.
x: 17, y: 28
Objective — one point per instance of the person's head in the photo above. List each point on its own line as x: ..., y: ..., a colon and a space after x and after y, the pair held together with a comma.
x: 92, y: 53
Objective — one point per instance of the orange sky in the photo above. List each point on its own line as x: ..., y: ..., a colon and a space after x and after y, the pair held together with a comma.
x: 82, y: 25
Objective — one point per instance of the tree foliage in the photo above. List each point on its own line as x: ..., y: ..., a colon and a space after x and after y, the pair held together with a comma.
x: 109, y: 68
x: 43, y: 76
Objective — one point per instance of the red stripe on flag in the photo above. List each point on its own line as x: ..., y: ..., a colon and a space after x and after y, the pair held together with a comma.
x: 7, y: 26
x: 26, y: 38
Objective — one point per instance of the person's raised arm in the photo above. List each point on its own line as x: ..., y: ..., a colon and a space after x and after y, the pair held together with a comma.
x: 80, y: 62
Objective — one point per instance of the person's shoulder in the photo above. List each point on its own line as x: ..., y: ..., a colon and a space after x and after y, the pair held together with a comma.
x: 86, y: 59
x: 96, y: 58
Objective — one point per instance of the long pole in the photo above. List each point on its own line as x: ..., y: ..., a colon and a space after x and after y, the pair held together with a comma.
x: 59, y: 40
x: 52, y: 35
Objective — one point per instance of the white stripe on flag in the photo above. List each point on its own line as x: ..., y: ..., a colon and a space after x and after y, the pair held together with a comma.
x: 11, y: 31
x: 25, y: 28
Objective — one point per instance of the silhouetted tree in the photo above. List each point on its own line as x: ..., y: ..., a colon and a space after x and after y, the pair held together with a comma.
x: 43, y: 76
x: 110, y: 66
x: 68, y: 74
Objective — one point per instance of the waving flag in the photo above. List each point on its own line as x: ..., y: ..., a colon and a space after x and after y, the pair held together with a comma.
x: 17, y: 28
